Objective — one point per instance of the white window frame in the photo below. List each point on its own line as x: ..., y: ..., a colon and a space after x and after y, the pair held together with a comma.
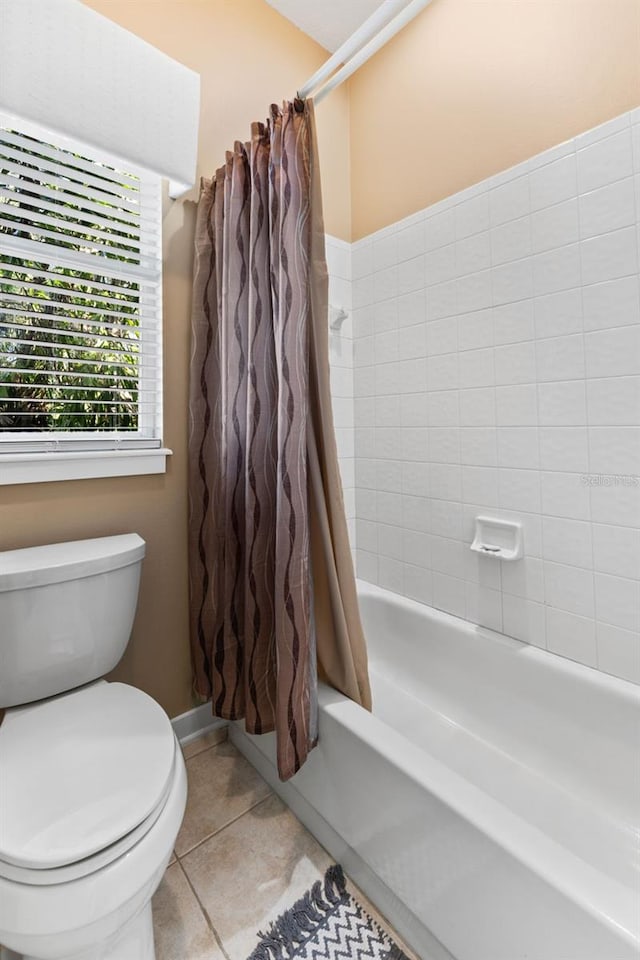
x: 67, y: 456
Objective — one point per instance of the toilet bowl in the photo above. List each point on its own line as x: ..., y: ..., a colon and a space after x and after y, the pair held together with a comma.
x: 92, y: 779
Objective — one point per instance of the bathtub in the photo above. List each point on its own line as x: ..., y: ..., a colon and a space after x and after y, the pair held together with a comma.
x: 489, y: 807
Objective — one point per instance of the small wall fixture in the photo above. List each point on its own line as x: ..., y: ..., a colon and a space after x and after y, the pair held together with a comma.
x: 498, y: 538
x: 337, y: 316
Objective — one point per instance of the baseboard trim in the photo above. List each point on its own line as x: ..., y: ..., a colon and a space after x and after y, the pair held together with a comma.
x: 195, y: 723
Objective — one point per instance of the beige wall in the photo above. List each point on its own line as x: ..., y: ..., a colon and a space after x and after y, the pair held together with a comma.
x: 472, y: 87
x: 247, y: 56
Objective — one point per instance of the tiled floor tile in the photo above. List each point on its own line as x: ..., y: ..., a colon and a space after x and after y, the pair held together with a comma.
x: 210, y: 739
x: 180, y: 929
x: 252, y: 871
x: 222, y: 786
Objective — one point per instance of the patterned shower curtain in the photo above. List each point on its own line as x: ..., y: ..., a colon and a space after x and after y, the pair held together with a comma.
x: 272, y: 590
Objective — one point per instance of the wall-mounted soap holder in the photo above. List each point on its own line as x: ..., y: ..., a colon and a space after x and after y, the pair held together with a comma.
x: 498, y: 538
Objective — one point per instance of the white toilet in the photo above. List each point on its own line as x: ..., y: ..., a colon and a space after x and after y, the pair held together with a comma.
x: 92, y: 780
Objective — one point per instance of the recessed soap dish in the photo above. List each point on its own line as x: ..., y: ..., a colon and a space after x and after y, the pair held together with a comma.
x: 498, y: 538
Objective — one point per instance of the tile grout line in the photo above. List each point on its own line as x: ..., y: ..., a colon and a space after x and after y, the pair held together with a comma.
x: 215, y: 833
x: 204, y: 912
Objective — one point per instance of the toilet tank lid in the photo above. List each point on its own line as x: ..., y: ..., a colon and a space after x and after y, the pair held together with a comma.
x: 57, y: 562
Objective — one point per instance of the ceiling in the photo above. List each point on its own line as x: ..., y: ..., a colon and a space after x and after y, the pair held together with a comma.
x: 329, y: 22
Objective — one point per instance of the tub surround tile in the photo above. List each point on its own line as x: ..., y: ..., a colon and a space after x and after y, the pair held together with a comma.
x: 606, y: 129
x: 608, y: 208
x: 614, y: 450
x: 517, y: 406
x: 417, y: 583
x: 449, y: 594
x: 558, y: 314
x: 571, y: 636
x: 440, y: 229
x: 410, y: 241
x: 562, y: 403
x: 446, y: 555
x: 553, y: 182
x: 619, y: 651
x: 483, y: 606
x: 515, y: 363
x: 524, y: 620
x: 555, y: 226
x: 222, y: 786
x: 618, y: 601
x: 605, y: 161
x: 512, y: 281
x: 480, y: 485
x: 609, y: 256
x: 471, y: 215
x: 560, y: 358
x: 566, y: 495
x: 514, y: 322
x: 478, y: 407
x: 616, y: 550
x: 511, y: 241
x: 564, y: 448
x: 556, y: 270
x: 568, y: 542
x: 617, y: 504
x: 524, y: 580
x: 518, y: 448
x: 343, y: 263
x: 390, y: 574
x: 612, y: 303
x: 367, y: 565
x: 529, y: 320
x: 509, y: 201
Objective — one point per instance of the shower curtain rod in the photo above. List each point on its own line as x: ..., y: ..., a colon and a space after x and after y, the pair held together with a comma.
x: 374, y: 33
x: 378, y: 19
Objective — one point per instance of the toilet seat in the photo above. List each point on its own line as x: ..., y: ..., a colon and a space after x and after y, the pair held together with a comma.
x: 82, y: 868
x: 84, y: 777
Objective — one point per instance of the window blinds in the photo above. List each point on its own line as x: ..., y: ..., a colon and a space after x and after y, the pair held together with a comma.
x: 80, y: 296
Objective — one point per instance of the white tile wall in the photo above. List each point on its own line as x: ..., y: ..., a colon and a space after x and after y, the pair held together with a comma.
x: 341, y: 358
x: 497, y: 370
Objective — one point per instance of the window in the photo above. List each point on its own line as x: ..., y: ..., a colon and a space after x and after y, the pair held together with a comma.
x: 80, y: 310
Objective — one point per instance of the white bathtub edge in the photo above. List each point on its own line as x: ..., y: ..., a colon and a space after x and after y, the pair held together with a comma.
x: 561, y: 664
x: 406, y: 923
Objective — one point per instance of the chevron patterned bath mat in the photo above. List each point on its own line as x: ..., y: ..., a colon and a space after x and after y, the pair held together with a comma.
x: 326, y: 924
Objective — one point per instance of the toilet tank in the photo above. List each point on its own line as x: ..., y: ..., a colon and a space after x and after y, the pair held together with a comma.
x: 66, y: 613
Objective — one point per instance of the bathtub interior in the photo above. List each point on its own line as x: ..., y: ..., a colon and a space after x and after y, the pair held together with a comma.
x: 555, y: 743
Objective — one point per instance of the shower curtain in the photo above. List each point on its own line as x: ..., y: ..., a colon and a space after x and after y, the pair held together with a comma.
x: 272, y: 590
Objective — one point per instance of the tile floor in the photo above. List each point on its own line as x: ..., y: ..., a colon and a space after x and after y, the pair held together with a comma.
x: 241, y: 859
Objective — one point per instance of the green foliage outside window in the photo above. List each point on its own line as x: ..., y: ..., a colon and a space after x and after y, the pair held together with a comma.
x: 62, y: 366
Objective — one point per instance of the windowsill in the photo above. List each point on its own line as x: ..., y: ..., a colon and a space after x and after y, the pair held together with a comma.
x: 80, y: 465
